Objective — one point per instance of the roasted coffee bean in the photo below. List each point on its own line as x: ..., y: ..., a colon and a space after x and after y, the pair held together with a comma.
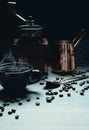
x: 28, y: 99
x: 2, y: 108
x: 9, y: 112
x: 6, y: 100
x: 20, y: 103
x: 13, y: 110
x: 82, y: 93
x: 73, y: 82
x: 49, y: 93
x: 1, y: 114
x: 52, y: 97
x: 4, y: 104
x: 37, y: 98
x: 60, y: 95
x: 55, y: 93
x: 87, y: 70
x: 60, y: 90
x: 46, y: 77
x: 86, y: 88
x: 18, y: 99
x: 87, y: 81
x: 57, y: 78
x: 66, y: 89
x: 12, y: 101
x: 68, y: 94
x: 37, y: 103
x: 7, y: 104
x: 43, y: 78
x: 73, y: 88
x: 17, y: 117
x: 48, y: 99
x: 41, y: 83
x: 82, y: 83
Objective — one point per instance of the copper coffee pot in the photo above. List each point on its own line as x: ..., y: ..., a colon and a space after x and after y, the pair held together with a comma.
x: 64, y: 57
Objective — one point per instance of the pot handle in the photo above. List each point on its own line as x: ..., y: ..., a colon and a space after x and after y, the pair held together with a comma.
x: 78, y: 38
x: 35, y: 76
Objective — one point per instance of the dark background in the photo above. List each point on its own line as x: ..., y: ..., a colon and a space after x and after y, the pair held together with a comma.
x: 62, y: 19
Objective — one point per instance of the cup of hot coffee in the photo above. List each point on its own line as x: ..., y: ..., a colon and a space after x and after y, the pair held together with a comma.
x: 17, y: 75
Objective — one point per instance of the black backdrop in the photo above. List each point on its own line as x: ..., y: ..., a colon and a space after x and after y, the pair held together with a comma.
x: 62, y: 19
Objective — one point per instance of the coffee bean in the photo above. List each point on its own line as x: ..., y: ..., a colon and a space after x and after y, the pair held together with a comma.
x: 2, y: 108
x: 57, y: 78
x: 20, y: 103
x: 37, y: 98
x: 68, y: 94
x: 55, y: 93
x: 18, y: 99
x: 87, y: 81
x: 82, y: 93
x: 13, y: 110
x: 49, y: 99
x: 1, y: 114
x: 37, y: 103
x: 41, y: 83
x: 28, y: 99
x: 61, y: 95
x: 60, y: 90
x: 73, y: 88
x: 9, y: 112
x: 17, y: 117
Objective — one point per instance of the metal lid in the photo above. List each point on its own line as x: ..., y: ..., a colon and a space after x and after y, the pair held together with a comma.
x: 28, y: 28
x: 65, y: 41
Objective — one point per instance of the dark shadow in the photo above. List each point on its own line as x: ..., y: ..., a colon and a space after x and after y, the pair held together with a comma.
x: 50, y: 87
x: 7, y: 94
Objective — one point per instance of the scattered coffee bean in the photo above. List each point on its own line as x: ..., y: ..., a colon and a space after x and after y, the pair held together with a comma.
x: 55, y: 93
x: 4, y: 104
x: 60, y: 90
x: 52, y: 97
x: 9, y: 112
x: 73, y: 82
x: 18, y: 99
x: 87, y: 81
x: 28, y: 99
x: 2, y: 108
x: 57, y: 78
x: 66, y: 89
x: 12, y: 101
x: 68, y: 94
x: 17, y: 117
x: 37, y: 98
x: 60, y: 95
x: 20, y: 103
x: 49, y: 93
x: 13, y: 110
x: 82, y: 93
x: 82, y: 83
x: 73, y: 88
x: 41, y: 83
x: 37, y: 103
x: 49, y: 99
x: 46, y: 77
x: 1, y: 114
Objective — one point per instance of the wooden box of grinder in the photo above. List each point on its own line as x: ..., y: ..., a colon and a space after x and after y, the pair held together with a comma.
x: 34, y: 54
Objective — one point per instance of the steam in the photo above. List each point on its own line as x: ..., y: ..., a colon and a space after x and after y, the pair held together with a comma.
x: 10, y: 63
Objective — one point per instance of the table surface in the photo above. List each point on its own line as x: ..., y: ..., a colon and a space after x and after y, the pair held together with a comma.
x: 63, y: 113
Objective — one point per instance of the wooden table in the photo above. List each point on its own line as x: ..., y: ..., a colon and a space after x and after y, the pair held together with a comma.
x: 63, y: 113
